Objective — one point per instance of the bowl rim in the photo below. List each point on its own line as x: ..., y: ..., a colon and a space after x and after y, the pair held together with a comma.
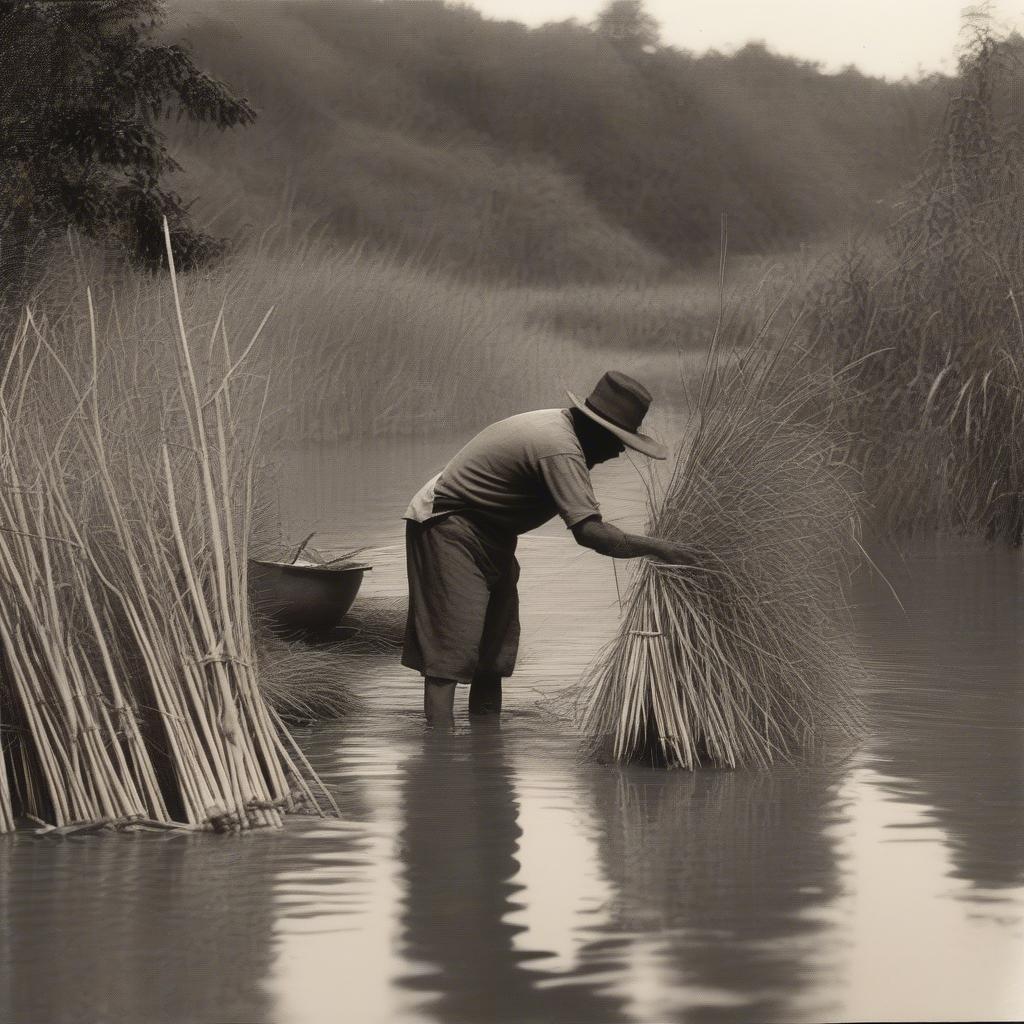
x: 333, y: 570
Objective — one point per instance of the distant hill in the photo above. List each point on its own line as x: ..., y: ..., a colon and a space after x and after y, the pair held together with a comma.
x: 549, y: 154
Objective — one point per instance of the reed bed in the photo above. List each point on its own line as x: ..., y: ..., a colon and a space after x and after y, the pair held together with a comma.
x: 740, y: 658
x: 363, y: 345
x: 932, y: 320
x: 129, y: 694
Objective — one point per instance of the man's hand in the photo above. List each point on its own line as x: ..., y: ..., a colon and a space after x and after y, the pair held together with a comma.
x: 609, y: 540
x: 677, y: 554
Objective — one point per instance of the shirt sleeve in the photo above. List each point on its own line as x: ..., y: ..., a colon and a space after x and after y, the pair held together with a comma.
x: 568, y: 479
x: 421, y: 508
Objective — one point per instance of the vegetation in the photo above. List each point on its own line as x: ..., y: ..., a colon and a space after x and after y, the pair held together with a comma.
x: 677, y: 314
x: 932, y: 320
x: 552, y: 155
x: 84, y: 91
x: 413, y: 156
x: 306, y: 681
x: 362, y: 345
x: 128, y: 690
x: 742, y: 657
x: 627, y: 24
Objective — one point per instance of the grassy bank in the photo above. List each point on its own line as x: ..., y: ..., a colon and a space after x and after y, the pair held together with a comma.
x: 362, y: 345
x: 679, y: 313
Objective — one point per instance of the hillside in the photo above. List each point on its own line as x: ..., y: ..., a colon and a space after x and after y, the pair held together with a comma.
x: 532, y: 155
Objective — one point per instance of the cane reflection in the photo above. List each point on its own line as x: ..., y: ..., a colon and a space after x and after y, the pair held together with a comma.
x: 136, y: 928
x: 728, y: 869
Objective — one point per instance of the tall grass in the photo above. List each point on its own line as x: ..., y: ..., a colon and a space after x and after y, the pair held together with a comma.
x: 932, y: 321
x: 741, y: 657
x: 363, y: 345
x: 128, y: 690
x: 304, y: 681
x: 676, y: 314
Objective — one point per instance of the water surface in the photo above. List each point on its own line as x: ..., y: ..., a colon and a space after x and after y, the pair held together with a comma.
x: 498, y: 875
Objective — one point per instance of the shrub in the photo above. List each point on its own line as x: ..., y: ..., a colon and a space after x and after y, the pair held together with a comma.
x: 932, y: 321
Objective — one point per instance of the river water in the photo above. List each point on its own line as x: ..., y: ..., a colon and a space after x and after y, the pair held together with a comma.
x: 499, y: 876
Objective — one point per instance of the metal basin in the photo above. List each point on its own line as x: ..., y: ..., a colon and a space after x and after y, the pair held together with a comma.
x: 303, y: 599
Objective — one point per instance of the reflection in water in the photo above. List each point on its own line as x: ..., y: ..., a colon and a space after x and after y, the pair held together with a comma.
x: 135, y: 928
x: 731, y: 872
x: 947, y: 704
x: 459, y: 845
x: 503, y: 878
x: 919, y: 946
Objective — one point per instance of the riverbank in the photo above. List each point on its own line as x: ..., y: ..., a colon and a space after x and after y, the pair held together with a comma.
x: 365, y: 346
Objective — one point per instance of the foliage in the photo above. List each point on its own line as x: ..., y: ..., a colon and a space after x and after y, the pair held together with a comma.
x: 548, y: 154
x: 932, y: 321
x: 83, y: 92
x: 362, y: 345
x: 627, y: 24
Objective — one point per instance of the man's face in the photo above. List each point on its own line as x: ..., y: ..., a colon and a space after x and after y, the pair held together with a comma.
x: 605, y: 446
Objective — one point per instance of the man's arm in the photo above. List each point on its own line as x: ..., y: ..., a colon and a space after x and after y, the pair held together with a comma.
x: 605, y: 539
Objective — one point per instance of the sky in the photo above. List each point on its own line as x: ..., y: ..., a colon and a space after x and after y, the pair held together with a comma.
x: 889, y: 38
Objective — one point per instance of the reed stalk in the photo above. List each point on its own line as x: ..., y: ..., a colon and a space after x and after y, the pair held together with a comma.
x: 129, y: 690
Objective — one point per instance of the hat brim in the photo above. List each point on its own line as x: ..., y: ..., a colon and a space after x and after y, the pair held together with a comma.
x: 638, y: 442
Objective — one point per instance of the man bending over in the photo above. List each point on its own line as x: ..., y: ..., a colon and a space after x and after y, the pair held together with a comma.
x: 462, y: 527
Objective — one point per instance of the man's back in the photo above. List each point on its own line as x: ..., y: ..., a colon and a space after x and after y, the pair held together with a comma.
x: 516, y: 474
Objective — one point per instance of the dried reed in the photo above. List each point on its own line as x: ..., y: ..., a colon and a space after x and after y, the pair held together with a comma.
x: 128, y: 690
x: 933, y: 321
x: 303, y: 682
x: 740, y: 658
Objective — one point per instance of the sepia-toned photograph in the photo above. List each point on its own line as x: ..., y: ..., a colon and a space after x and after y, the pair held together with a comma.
x: 511, y: 511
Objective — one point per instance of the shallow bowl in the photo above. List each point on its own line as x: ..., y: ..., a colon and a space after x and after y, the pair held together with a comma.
x: 303, y: 599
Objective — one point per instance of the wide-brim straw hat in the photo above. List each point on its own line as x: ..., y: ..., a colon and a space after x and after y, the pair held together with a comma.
x: 619, y: 403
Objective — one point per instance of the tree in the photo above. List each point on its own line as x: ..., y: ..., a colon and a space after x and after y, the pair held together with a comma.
x: 83, y: 88
x: 628, y: 25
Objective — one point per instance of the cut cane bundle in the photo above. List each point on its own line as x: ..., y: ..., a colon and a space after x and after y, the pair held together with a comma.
x: 741, y: 657
x: 128, y: 687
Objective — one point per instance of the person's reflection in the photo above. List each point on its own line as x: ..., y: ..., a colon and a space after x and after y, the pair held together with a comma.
x: 947, y: 718
x: 726, y: 868
x: 459, y: 845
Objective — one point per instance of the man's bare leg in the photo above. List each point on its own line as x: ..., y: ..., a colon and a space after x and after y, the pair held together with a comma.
x: 485, y: 694
x: 439, y: 702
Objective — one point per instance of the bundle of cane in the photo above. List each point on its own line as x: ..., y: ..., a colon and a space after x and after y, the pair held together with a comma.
x: 742, y: 656
x: 128, y: 686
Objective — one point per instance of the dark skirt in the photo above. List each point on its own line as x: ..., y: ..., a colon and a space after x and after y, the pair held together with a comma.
x: 463, y: 602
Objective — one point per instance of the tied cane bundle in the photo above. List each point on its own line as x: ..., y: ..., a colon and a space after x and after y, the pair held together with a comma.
x: 741, y: 657
x: 129, y: 694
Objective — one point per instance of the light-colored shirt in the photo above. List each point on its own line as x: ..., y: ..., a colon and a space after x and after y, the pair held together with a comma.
x: 516, y: 474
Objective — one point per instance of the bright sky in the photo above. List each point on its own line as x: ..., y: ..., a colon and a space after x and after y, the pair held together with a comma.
x: 892, y: 38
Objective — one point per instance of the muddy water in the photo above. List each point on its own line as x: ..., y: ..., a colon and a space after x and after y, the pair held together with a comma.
x: 498, y: 876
